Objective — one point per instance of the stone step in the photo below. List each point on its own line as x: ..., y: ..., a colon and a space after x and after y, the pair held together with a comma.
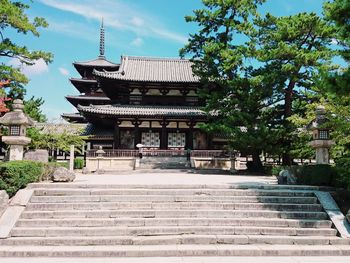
x: 173, y: 240
x: 172, y: 192
x: 175, y: 214
x: 89, y: 222
x: 168, y: 230
x: 172, y: 205
x: 148, y: 198
x: 243, y: 186
x: 173, y: 250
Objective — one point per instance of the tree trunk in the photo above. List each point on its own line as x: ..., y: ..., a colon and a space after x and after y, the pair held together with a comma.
x: 257, y: 165
x: 288, y: 102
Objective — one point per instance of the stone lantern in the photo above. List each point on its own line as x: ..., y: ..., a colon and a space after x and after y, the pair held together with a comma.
x: 17, y: 123
x: 321, y: 141
x: 100, y: 152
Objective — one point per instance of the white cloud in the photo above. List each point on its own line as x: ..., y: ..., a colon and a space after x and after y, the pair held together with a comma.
x: 117, y: 15
x: 39, y: 67
x: 63, y: 71
x: 137, y: 21
x: 137, y: 42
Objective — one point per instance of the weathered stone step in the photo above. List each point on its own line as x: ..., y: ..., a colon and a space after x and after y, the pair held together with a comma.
x: 172, y: 192
x: 173, y: 240
x: 147, y: 198
x: 173, y: 250
x: 172, y: 205
x: 175, y: 214
x: 90, y: 222
x: 168, y: 230
x: 47, y: 186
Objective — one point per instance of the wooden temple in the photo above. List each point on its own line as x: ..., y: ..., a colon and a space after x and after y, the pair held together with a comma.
x: 141, y: 100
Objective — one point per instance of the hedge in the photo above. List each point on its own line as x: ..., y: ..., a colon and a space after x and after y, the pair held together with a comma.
x: 78, y: 163
x: 15, y: 175
x: 342, y: 165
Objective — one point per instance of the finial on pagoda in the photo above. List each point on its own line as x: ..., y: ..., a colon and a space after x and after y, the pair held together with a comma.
x: 102, y: 40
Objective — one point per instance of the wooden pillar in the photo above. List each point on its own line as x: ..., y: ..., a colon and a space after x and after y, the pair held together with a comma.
x: 190, y: 135
x: 163, y: 135
x: 210, y: 141
x: 137, y: 134
x: 117, y: 135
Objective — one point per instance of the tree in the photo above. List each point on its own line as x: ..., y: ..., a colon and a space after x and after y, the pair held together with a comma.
x: 233, y: 93
x: 338, y: 13
x: 32, y: 108
x: 59, y: 136
x: 293, y: 50
x: 3, y: 98
x: 14, y: 18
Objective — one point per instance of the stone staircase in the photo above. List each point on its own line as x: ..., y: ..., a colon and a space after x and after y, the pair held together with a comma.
x: 155, y: 162
x: 72, y: 220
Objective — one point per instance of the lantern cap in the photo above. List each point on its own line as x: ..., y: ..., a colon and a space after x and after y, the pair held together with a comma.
x: 17, y: 116
x: 320, y: 119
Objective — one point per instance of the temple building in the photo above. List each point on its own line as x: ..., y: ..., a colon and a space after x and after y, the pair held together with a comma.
x: 145, y: 101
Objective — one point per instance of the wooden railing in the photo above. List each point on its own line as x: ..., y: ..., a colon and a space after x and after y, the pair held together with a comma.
x: 160, y: 153
x: 210, y: 153
x: 163, y: 153
x: 114, y: 153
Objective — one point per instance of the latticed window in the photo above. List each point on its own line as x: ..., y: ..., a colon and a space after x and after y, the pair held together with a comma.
x: 15, y: 130
x: 323, y: 134
x: 176, y: 139
x: 150, y: 139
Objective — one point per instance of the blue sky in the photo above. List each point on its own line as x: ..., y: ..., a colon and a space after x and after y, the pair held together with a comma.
x: 133, y: 27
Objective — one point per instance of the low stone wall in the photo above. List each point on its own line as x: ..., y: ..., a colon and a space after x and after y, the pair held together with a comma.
x: 4, y: 199
x: 110, y: 164
x: 211, y: 163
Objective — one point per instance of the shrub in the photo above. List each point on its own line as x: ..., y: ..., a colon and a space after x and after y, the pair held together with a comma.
x: 78, y: 163
x: 273, y: 169
x: 320, y: 174
x: 16, y: 175
x: 342, y: 166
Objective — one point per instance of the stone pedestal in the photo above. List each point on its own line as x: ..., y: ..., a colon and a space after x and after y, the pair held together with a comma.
x: 16, y: 153
x: 16, y: 146
x: 322, y: 150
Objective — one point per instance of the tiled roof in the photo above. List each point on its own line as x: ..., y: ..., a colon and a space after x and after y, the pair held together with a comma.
x: 85, y: 97
x: 83, y: 80
x: 147, y: 69
x: 59, y: 128
x: 99, y: 62
x: 143, y: 111
x: 98, y: 131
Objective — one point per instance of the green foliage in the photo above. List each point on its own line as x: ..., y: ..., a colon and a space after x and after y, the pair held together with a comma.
x: 293, y: 50
x: 338, y: 13
x: 273, y: 170
x: 221, y: 51
x: 32, y: 108
x: 16, y: 175
x: 14, y: 19
x: 320, y: 174
x: 289, y: 54
x: 78, y: 163
x: 343, y: 170
x: 61, y: 139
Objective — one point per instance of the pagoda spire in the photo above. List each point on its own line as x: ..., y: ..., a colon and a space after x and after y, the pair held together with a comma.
x: 102, y: 40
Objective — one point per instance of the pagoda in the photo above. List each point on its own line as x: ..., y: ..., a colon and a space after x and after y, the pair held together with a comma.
x: 87, y: 84
x: 152, y: 102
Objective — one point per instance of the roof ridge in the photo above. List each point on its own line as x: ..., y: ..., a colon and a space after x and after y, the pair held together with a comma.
x: 96, y: 59
x: 155, y: 58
